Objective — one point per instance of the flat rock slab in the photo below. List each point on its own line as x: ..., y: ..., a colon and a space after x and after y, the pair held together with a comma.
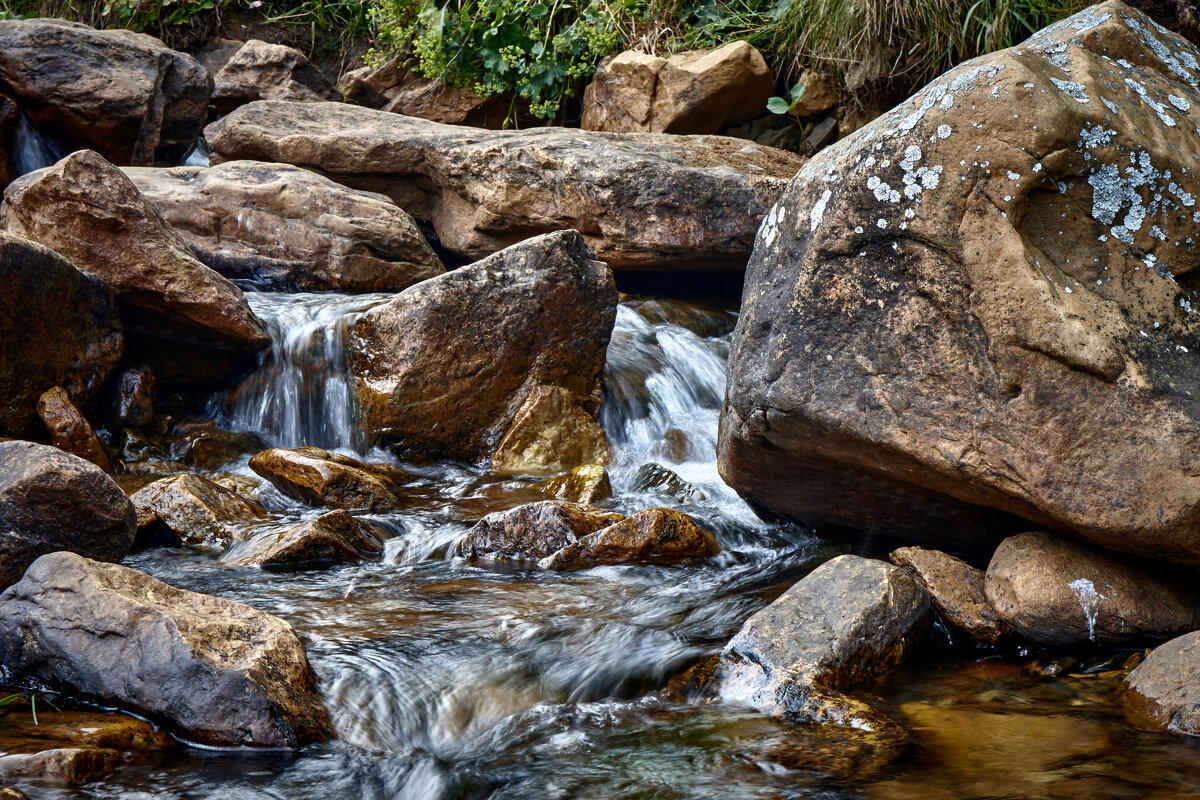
x: 216, y: 672
x: 289, y: 229
x: 1163, y: 693
x: 73, y: 766
x: 957, y: 589
x: 642, y: 201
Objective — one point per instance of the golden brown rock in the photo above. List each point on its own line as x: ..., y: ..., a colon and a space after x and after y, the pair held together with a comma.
x: 1162, y: 693
x: 532, y: 531
x: 69, y: 429
x: 550, y: 433
x: 191, y: 324
x: 195, y: 509
x: 75, y: 728
x: 586, y: 484
x: 957, y: 589
x: 329, y: 539
x: 211, y: 447
x: 73, y: 766
x: 318, y: 477
x: 652, y: 536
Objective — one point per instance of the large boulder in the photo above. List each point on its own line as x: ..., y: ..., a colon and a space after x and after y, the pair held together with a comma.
x: 289, y: 229
x: 850, y: 621
x: 1058, y: 592
x: 61, y: 327
x: 642, y: 201
x: 215, y: 671
x: 532, y: 531
x: 123, y: 94
x: 318, y: 477
x: 442, y: 369
x: 49, y: 501
x: 700, y: 91
x: 191, y: 324
x: 1163, y: 693
x: 975, y: 308
x: 263, y: 71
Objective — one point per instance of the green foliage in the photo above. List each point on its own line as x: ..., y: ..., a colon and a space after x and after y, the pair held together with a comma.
x: 787, y: 105
x: 29, y: 696
x: 351, y: 18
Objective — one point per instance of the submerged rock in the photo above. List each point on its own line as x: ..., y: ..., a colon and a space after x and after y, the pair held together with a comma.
x: 73, y: 766
x: 216, y: 672
x: 289, y: 229
x: 652, y: 536
x: 69, y: 429
x: 49, y: 501
x: 642, y: 201
x: 263, y: 71
x: 442, y: 369
x: 123, y: 94
x: 195, y: 510
x: 61, y: 328
x: 1058, y: 592
x: 532, y: 531
x: 188, y: 322
x: 550, y: 433
x: 586, y: 484
x: 975, y: 309
x: 957, y: 589
x: 850, y: 621
x: 318, y: 477
x: 1163, y: 693
x: 329, y: 539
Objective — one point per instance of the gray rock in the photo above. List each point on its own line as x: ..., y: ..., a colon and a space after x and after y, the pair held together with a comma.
x: 532, y: 531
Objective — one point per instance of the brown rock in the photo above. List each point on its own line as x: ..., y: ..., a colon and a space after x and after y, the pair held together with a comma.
x: 442, y: 368
x: 642, y: 201
x: 196, y: 510
x: 1058, y: 592
x: 550, y: 433
x: 76, y: 728
x: 133, y: 404
x: 217, y: 672
x: 957, y: 589
x: 849, y: 621
x: 215, y: 53
x: 263, y: 71
x: 329, y: 539
x: 819, y: 95
x: 942, y: 335
x: 190, y: 323
x: 69, y: 429
x: 586, y: 484
x: 289, y: 229
x: 652, y: 536
x: 532, y: 531
x: 123, y: 94
x: 1162, y: 693
x: 210, y: 448
x: 695, y: 92
x: 393, y: 87
x: 73, y: 766
x: 60, y: 327
x: 49, y: 501
x: 318, y: 477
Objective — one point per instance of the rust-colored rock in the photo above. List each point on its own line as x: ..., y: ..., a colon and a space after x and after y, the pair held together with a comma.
x: 215, y: 671
x: 75, y: 728
x: 289, y: 229
x: 550, y: 433
x: 533, y: 531
x: 123, y: 94
x: 696, y: 92
x: 332, y: 538
x: 61, y: 327
x: 957, y: 589
x: 642, y: 201
x: 263, y: 71
x: 442, y: 368
x: 586, y: 484
x: 652, y: 536
x: 318, y: 477
x: 185, y: 320
x: 196, y: 510
x: 975, y: 309
x: 69, y: 429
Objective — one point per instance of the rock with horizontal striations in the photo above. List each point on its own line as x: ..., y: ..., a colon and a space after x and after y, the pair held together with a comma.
x: 318, y: 477
x: 61, y: 328
x: 957, y: 589
x: 288, y: 229
x: 215, y: 671
x: 263, y: 71
x: 850, y: 621
x: 1058, y: 592
x: 189, y: 323
x: 442, y: 369
x: 1163, y: 693
x: 51, y: 500
x: 73, y: 766
x: 642, y: 201
x: 550, y: 433
x: 193, y: 510
x: 652, y: 536
x: 331, y: 538
x: 972, y: 314
x: 586, y: 484
x: 532, y: 531
x: 123, y: 94
x: 69, y: 429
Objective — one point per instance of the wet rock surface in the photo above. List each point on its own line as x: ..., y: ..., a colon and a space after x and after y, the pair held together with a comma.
x: 642, y: 201
x: 210, y: 448
x: 442, y: 368
x: 1163, y: 693
x: 193, y: 510
x: 264, y: 71
x: 532, y: 531
x: 217, y: 672
x: 652, y: 536
x: 971, y: 310
x: 550, y: 433
x: 587, y: 484
x: 957, y: 589
x: 1059, y: 592
x: 124, y: 94
x: 133, y: 400
x: 69, y: 429
x: 73, y: 766
x: 62, y: 328
x: 189, y: 323
x: 50, y: 501
x: 285, y: 228
x: 332, y: 538
x: 318, y: 477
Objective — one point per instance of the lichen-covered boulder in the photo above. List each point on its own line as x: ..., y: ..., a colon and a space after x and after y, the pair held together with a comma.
x: 652, y: 536
x: 215, y: 671
x: 532, y: 531
x: 288, y: 229
x: 642, y: 201
x: 976, y: 308
x: 318, y: 477
x: 124, y: 94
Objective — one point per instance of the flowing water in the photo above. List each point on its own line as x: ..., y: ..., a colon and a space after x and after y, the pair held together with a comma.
x: 447, y: 680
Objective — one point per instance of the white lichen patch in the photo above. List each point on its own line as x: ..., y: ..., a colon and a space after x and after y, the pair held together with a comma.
x: 943, y: 130
x: 1093, y: 136
x: 1179, y: 102
x: 818, y: 210
x: 1076, y: 91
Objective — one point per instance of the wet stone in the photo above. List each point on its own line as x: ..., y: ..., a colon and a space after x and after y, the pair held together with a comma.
x: 329, y: 539
x: 69, y: 429
x: 652, y: 536
x: 660, y: 480
x: 73, y: 766
x: 133, y: 401
x: 532, y: 531
x: 957, y: 589
x: 210, y: 448
x: 194, y: 509
x: 319, y: 477
x: 550, y: 433
x: 586, y: 484
x: 1163, y: 692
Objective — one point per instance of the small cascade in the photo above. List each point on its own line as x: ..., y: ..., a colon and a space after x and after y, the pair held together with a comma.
x: 31, y: 149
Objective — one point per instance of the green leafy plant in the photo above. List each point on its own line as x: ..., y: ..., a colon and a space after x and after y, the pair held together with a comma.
x: 789, y: 104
